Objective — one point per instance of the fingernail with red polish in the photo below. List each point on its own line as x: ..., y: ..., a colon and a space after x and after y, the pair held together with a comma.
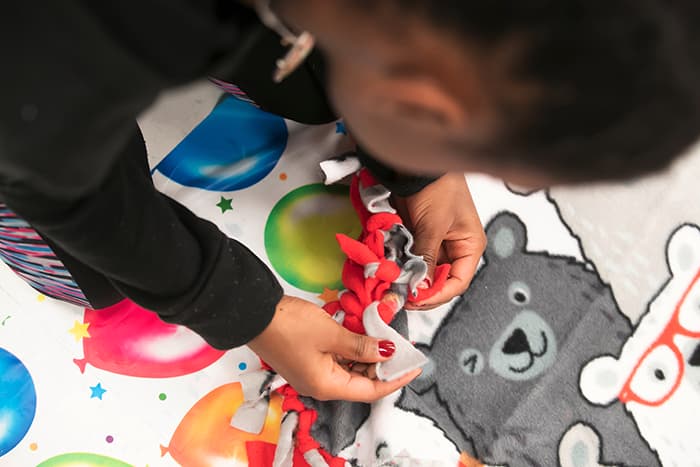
x: 386, y: 348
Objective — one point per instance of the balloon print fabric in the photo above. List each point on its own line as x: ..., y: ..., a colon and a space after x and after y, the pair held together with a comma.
x: 577, y: 344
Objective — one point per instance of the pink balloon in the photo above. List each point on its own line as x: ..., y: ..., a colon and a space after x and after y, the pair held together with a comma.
x: 130, y: 340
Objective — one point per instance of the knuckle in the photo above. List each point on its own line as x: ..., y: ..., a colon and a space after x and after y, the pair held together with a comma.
x: 361, y: 346
x: 429, y: 257
x: 425, y: 229
x: 482, y: 240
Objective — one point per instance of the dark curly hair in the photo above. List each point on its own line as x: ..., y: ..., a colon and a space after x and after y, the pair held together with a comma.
x: 619, y: 80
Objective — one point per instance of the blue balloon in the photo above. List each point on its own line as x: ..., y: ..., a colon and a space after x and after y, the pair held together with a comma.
x: 236, y: 146
x: 17, y: 401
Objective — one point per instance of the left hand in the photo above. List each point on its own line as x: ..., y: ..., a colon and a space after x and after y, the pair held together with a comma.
x: 447, y: 229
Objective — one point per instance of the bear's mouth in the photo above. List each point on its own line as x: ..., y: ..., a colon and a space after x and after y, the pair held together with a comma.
x: 531, y: 354
x: 525, y: 348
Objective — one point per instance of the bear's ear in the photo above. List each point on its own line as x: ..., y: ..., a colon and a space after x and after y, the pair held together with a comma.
x: 580, y: 446
x: 601, y: 380
x: 506, y: 235
x: 684, y: 250
x: 426, y: 379
x: 520, y: 189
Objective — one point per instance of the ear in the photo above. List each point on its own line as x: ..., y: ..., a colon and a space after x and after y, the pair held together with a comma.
x: 424, y: 99
x: 601, y: 380
x: 580, y: 447
x: 506, y: 235
x: 683, y: 250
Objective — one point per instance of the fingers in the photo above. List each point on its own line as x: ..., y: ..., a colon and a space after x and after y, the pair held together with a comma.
x: 360, y: 348
x: 465, y: 254
x: 427, y: 243
x: 352, y: 386
x: 461, y: 274
x: 443, y: 257
x: 363, y: 369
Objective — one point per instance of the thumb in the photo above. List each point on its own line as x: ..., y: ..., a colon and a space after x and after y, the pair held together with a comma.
x: 361, y: 348
x: 426, y: 243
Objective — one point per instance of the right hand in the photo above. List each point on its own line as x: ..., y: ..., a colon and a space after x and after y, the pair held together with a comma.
x: 306, y: 346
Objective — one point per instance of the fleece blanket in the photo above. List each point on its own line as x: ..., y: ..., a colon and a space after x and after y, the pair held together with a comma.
x: 577, y: 344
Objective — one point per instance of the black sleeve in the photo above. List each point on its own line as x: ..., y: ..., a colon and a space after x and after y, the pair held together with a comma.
x: 399, y: 184
x: 73, y: 163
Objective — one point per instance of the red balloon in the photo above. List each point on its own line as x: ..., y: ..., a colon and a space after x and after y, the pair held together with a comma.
x: 130, y: 340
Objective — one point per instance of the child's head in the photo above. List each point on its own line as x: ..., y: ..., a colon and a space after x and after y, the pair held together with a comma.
x: 537, y: 91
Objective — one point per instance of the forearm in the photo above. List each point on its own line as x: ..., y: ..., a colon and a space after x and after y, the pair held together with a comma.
x: 156, y: 252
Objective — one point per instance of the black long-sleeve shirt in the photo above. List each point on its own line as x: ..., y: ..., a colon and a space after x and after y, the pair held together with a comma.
x: 75, y: 74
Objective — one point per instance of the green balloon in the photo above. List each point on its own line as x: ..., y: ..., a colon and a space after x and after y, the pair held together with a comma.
x: 300, y: 235
x: 83, y: 459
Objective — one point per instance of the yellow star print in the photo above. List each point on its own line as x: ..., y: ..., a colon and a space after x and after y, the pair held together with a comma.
x: 79, y: 330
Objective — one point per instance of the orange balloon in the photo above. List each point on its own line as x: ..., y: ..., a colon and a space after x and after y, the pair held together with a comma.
x: 205, y: 437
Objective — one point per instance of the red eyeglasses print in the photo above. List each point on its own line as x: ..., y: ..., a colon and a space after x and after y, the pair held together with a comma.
x: 659, y: 372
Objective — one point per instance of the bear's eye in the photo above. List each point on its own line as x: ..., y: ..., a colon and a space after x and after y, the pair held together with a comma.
x: 519, y: 293
x: 656, y: 376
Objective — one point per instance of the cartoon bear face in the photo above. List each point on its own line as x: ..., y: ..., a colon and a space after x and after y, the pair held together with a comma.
x: 657, y: 374
x: 507, y: 326
x: 509, y: 353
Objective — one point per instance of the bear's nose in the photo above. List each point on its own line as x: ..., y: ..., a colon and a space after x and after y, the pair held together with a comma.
x: 694, y: 359
x: 516, y: 343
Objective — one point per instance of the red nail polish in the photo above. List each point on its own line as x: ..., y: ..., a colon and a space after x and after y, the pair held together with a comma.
x: 386, y: 348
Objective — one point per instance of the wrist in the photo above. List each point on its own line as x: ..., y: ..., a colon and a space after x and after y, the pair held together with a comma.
x: 273, y: 331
